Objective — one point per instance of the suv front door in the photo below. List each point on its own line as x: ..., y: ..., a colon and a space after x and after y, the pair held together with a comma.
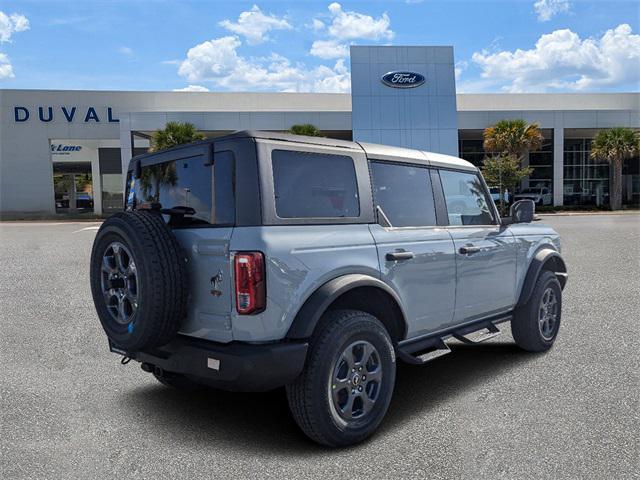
x: 485, y: 251
x: 416, y: 256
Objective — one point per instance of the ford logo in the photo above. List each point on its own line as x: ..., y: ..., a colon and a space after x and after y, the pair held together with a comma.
x: 403, y: 79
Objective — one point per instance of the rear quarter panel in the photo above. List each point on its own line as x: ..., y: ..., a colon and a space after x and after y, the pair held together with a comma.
x: 299, y: 258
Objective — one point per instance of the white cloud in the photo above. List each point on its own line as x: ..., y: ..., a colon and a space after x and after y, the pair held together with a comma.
x: 561, y: 60
x: 218, y: 61
x: 254, y: 25
x: 192, y: 88
x: 329, y: 49
x: 317, y: 25
x: 125, y: 51
x: 347, y: 25
x: 6, y: 70
x: 547, y: 9
x: 10, y: 24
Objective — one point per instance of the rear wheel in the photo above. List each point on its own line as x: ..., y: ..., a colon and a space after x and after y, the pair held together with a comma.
x: 345, y: 389
x: 535, y: 325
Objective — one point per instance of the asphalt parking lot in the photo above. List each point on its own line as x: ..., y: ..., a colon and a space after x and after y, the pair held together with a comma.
x: 70, y: 410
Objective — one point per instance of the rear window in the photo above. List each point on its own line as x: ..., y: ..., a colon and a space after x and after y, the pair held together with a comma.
x: 188, y: 183
x: 181, y: 183
x: 314, y: 185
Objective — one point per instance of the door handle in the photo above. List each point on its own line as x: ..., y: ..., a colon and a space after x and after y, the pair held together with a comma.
x: 393, y: 256
x: 469, y: 250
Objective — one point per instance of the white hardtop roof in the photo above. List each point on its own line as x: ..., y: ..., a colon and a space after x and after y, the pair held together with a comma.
x: 408, y: 155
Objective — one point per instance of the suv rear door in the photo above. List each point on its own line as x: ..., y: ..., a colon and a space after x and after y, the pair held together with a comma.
x: 186, y: 180
x: 485, y: 252
x: 416, y: 256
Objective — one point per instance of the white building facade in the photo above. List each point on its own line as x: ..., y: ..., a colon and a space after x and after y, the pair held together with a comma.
x: 63, y: 152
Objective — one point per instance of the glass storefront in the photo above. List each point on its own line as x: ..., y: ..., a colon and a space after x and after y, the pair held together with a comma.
x: 73, y: 187
x: 471, y: 149
x: 542, y: 163
x: 586, y: 181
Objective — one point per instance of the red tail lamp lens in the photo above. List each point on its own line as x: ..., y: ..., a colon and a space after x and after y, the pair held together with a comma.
x: 250, y: 284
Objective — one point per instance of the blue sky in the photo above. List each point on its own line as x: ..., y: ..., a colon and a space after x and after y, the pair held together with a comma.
x: 500, y: 46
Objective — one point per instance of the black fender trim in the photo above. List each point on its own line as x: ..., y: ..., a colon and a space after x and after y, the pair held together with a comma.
x: 540, y: 259
x: 314, y: 307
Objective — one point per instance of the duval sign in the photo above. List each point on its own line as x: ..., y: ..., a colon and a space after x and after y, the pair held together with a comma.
x: 69, y: 114
x: 403, y: 79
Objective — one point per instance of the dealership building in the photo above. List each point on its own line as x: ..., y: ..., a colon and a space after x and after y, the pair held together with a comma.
x: 64, y: 152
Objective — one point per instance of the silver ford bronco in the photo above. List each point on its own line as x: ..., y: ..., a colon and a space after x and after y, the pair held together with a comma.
x: 260, y: 260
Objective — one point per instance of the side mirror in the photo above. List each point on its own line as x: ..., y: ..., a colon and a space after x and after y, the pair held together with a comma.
x: 520, y: 212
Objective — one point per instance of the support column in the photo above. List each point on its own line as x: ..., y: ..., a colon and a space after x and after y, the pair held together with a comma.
x: 96, y: 184
x: 126, y: 146
x: 558, y: 166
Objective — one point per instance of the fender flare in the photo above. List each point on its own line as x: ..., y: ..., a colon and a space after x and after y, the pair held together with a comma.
x: 540, y: 259
x: 314, y: 307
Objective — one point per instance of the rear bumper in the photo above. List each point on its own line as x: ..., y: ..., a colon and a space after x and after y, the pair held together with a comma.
x: 234, y: 366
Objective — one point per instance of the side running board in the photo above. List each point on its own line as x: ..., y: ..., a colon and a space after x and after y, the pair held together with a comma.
x: 426, y: 355
x: 478, y: 336
x: 423, y: 350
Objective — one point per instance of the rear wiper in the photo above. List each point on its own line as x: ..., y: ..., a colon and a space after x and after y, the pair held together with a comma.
x: 178, y: 211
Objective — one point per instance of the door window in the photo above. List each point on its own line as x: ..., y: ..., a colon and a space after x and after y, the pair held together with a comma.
x: 466, y: 199
x: 314, y: 185
x: 404, y: 194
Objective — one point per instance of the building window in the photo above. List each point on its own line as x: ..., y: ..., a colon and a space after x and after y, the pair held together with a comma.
x: 541, y: 161
x: 586, y: 181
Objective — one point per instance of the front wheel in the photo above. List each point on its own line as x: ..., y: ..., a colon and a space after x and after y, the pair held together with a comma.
x: 347, y: 383
x: 535, y: 325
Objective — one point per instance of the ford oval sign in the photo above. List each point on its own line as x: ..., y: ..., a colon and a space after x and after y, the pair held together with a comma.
x: 403, y: 79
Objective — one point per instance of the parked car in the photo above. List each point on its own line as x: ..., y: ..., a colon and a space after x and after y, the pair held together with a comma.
x: 539, y: 195
x: 495, y: 194
x: 274, y: 260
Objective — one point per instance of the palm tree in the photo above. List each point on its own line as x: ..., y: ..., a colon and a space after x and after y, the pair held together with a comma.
x: 509, y: 141
x: 616, y: 145
x: 306, y: 129
x: 513, y: 138
x: 173, y: 134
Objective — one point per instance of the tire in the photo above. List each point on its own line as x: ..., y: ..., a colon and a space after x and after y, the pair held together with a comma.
x: 313, y: 398
x: 528, y: 327
x: 178, y: 382
x: 138, y: 280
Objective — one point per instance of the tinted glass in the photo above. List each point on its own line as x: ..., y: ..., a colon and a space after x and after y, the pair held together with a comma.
x: 181, y: 183
x: 224, y: 192
x: 467, y: 202
x: 404, y: 193
x: 314, y: 185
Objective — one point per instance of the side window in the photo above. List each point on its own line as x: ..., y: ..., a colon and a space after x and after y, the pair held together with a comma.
x: 314, y: 185
x: 181, y: 183
x: 404, y: 193
x: 467, y: 201
x: 224, y: 188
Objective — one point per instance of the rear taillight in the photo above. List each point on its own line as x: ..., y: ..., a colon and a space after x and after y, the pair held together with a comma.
x: 250, y: 284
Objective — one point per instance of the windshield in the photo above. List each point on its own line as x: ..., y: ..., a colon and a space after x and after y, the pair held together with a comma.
x: 531, y: 190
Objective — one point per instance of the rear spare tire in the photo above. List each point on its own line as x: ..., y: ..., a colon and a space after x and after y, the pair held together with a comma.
x: 138, y: 280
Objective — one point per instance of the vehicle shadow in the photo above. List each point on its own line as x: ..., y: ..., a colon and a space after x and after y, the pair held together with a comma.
x: 261, y: 422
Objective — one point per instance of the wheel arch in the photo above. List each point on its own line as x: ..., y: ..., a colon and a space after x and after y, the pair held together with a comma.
x: 356, y: 292
x: 544, y: 259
